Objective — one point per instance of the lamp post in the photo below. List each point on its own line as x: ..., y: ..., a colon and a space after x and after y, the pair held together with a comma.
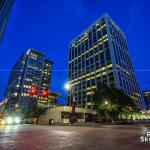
x: 73, y: 103
x: 106, y: 103
x: 68, y: 87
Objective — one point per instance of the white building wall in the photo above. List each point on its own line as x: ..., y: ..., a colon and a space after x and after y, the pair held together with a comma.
x: 55, y: 113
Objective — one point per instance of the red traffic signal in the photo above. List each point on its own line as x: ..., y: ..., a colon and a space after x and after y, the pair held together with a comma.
x: 44, y: 93
x: 33, y: 91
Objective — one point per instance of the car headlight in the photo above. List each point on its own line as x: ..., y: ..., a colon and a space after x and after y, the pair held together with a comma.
x: 3, y: 122
x: 17, y: 120
x: 9, y: 120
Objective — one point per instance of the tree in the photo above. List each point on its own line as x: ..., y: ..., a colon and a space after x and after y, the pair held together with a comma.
x: 102, y: 93
x: 117, y: 101
x: 115, y: 96
x: 35, y: 112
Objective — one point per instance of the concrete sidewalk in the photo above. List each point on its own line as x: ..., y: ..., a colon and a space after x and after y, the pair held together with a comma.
x: 97, y: 125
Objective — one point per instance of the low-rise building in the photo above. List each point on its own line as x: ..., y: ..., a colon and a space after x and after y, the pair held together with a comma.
x: 61, y: 114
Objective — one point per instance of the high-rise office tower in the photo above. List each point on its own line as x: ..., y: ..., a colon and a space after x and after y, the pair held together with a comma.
x: 32, y: 70
x: 100, y: 54
x: 5, y: 8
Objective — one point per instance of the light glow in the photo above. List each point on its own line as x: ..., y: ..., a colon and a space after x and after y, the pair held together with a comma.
x: 106, y: 102
x: 67, y: 86
x: 3, y: 122
x: 17, y: 120
x: 9, y: 120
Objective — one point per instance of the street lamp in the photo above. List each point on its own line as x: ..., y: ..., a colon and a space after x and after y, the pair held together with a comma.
x: 16, y: 105
x: 68, y: 87
x: 106, y: 103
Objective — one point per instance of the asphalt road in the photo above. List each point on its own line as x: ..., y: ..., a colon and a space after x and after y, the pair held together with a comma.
x: 36, y: 137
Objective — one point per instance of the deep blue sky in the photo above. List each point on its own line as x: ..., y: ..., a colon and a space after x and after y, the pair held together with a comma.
x: 49, y: 25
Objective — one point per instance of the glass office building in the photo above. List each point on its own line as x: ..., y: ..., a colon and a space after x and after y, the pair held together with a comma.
x: 5, y: 8
x: 101, y: 54
x: 31, y: 70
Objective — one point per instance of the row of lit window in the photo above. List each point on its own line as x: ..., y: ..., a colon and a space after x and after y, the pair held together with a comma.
x: 91, y: 87
x: 34, y: 68
x: 85, y: 52
x: 48, y: 65
x: 111, y: 81
x: 26, y: 86
x: 85, y: 37
x: 93, y: 72
x: 47, y: 73
x: 90, y: 93
x: 28, y: 79
x: 25, y: 95
x: 33, y: 56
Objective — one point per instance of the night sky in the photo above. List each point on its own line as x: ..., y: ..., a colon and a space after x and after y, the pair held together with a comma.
x: 49, y: 25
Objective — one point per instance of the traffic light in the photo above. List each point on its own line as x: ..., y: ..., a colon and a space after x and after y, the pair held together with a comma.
x: 44, y: 93
x: 33, y: 91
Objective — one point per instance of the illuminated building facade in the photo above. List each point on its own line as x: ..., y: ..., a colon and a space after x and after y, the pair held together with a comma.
x: 5, y: 8
x: 31, y: 70
x: 146, y: 95
x: 100, y: 54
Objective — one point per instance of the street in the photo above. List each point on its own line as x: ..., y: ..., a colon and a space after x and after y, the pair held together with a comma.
x: 36, y: 137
